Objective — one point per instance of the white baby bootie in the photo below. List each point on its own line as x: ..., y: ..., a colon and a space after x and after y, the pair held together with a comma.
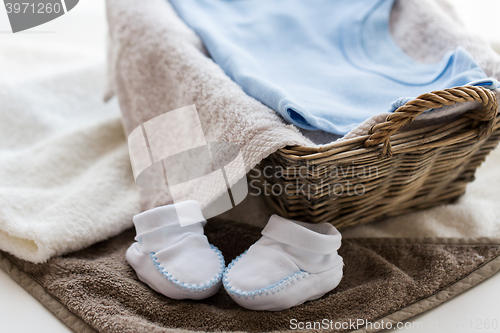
x: 175, y: 261
x: 292, y: 263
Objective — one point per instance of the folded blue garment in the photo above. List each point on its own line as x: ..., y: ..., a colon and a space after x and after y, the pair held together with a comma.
x: 321, y: 64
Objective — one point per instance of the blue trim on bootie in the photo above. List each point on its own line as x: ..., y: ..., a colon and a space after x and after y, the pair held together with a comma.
x: 189, y: 287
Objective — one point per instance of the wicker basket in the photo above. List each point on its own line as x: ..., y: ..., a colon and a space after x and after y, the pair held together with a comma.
x: 388, y: 172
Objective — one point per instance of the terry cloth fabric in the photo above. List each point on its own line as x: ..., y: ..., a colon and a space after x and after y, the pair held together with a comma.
x: 65, y: 176
x: 330, y: 66
x: 157, y: 64
x: 384, y: 279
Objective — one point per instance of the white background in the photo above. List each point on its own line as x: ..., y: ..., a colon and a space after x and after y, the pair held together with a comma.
x: 79, y: 37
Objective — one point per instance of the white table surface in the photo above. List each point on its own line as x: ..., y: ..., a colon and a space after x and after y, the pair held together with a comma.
x: 21, y: 312
x: 471, y: 311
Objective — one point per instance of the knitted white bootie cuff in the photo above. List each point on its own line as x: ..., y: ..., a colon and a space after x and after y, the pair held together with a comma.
x: 321, y: 238
x: 175, y: 261
x: 168, y: 216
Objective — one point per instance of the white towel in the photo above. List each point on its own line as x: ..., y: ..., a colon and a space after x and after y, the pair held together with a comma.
x: 65, y: 176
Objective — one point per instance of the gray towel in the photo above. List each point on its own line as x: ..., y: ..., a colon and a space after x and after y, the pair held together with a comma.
x: 384, y: 279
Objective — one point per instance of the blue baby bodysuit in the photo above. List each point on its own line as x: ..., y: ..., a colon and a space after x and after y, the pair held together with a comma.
x: 322, y: 64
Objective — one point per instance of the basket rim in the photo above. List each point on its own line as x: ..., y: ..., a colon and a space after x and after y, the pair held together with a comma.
x: 488, y: 113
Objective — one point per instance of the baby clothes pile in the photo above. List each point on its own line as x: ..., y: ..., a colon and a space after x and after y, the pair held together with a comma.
x: 327, y: 66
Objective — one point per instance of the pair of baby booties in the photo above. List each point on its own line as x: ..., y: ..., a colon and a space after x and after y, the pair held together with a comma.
x: 292, y: 263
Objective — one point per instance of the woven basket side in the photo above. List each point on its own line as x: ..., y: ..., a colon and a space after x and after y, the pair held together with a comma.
x: 386, y: 173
